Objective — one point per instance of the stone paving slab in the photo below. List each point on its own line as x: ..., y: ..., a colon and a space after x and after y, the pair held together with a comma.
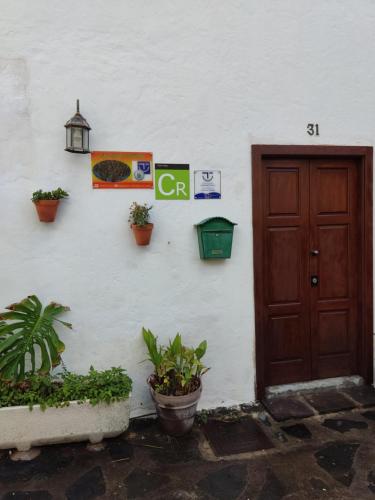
x: 233, y: 437
x: 287, y: 407
x: 344, y: 424
x: 299, y: 431
x: 363, y: 394
x: 329, y: 401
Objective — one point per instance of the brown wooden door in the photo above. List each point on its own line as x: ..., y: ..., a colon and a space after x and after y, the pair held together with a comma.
x: 310, y: 230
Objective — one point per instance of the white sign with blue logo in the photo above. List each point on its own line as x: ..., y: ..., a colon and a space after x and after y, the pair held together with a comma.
x: 207, y: 184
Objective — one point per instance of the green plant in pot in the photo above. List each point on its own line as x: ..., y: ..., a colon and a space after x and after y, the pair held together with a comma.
x: 139, y: 219
x: 67, y: 407
x: 47, y: 202
x: 176, y: 383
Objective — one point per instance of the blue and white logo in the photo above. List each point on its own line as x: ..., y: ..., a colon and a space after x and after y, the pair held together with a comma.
x: 145, y: 167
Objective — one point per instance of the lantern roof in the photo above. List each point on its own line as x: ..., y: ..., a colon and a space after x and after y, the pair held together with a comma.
x: 78, y: 120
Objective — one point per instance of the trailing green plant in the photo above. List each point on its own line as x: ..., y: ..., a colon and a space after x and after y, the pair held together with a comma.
x: 105, y: 386
x: 57, y: 194
x: 139, y: 214
x: 27, y: 329
x: 178, y: 368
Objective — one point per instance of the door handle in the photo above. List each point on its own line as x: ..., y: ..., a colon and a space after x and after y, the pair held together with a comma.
x: 314, y: 252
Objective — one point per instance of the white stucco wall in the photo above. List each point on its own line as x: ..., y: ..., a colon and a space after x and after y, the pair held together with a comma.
x: 194, y: 82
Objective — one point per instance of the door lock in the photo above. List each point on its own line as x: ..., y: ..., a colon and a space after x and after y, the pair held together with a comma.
x: 314, y: 280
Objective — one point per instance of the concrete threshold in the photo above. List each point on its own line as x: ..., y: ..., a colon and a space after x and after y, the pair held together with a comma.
x: 311, y: 385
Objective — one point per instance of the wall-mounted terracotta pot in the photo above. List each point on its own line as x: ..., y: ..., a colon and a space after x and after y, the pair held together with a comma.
x: 142, y: 234
x: 46, y: 209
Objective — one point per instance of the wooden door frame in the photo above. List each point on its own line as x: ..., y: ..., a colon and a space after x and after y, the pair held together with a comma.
x: 364, y: 156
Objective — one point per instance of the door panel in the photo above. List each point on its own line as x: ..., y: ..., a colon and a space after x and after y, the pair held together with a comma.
x: 334, y: 221
x: 286, y: 313
x: 284, y: 265
x: 286, y: 181
x: 333, y: 188
x: 310, y: 228
x: 333, y: 328
x: 333, y: 261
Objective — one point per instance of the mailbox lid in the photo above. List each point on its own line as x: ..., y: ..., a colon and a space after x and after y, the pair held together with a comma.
x: 217, y: 244
x: 215, y: 224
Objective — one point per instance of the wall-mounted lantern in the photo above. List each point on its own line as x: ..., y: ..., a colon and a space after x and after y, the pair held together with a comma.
x: 77, y: 134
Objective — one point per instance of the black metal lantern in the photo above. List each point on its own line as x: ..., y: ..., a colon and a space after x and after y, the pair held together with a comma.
x: 77, y: 134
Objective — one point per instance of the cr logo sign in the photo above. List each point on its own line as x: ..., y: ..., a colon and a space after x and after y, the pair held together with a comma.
x: 172, y: 182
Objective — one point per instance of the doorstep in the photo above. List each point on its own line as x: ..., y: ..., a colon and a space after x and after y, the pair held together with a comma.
x: 319, y: 401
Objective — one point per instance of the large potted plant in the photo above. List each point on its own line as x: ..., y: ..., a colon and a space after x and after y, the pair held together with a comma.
x: 47, y: 202
x: 139, y: 219
x: 38, y: 408
x: 176, y: 383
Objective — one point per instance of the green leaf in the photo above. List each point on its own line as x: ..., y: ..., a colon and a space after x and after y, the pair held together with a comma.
x: 176, y: 345
x: 153, y: 351
x: 200, y: 351
x: 5, y: 345
x: 46, y: 363
x: 24, y: 326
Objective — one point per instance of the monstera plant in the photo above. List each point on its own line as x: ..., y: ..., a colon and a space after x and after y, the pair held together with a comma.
x: 28, y: 340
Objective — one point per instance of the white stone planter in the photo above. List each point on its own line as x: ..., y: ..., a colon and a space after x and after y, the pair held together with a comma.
x: 21, y: 428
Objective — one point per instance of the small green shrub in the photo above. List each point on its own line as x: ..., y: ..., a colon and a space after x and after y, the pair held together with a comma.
x: 139, y: 214
x: 178, y: 368
x: 57, y: 194
x: 105, y: 386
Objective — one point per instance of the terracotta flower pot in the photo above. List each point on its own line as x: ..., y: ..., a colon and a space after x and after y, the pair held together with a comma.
x: 176, y: 413
x: 46, y: 209
x: 142, y: 233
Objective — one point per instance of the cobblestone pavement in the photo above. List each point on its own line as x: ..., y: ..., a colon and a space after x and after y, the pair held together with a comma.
x: 328, y: 455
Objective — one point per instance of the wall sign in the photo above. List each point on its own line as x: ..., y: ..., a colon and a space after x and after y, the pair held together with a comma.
x: 172, y: 181
x: 207, y: 184
x: 119, y: 170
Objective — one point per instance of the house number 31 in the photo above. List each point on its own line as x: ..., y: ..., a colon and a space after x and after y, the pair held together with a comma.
x: 313, y: 128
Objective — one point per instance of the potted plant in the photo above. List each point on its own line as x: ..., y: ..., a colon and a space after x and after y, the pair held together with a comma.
x: 139, y: 222
x: 47, y: 202
x: 66, y: 407
x: 176, y: 383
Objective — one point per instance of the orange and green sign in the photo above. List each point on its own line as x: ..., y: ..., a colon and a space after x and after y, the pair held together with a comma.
x: 118, y: 170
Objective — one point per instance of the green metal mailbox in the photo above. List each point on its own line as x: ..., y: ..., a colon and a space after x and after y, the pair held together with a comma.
x: 215, y: 237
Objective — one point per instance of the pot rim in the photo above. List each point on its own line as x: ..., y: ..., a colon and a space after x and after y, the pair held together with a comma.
x: 49, y: 202
x: 142, y: 228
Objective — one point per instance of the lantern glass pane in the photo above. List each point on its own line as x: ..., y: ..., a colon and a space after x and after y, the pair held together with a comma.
x: 68, y: 137
x: 85, y: 139
x: 77, y: 137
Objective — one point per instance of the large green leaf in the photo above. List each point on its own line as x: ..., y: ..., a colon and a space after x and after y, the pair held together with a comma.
x: 24, y: 327
x: 155, y: 354
x: 200, y: 351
